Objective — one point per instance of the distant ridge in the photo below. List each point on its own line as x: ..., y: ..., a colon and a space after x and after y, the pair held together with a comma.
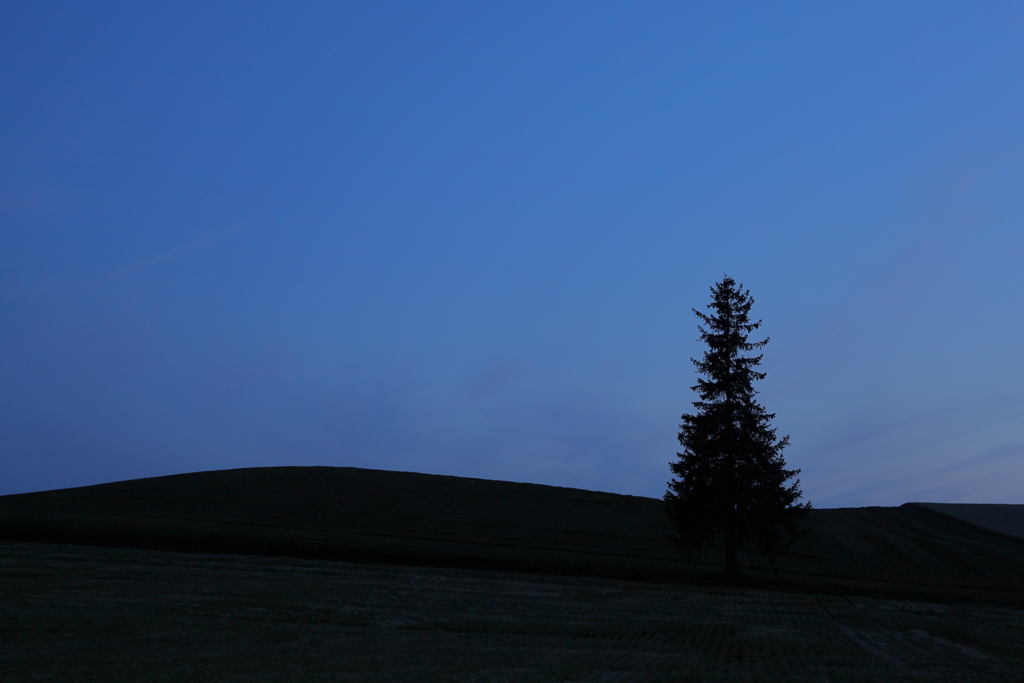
x: 1000, y: 518
x: 346, y: 513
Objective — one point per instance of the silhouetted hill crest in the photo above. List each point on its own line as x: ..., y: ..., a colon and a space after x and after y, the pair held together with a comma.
x: 348, y: 513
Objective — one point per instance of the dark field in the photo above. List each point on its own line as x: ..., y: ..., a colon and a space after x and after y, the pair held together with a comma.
x: 1003, y: 519
x: 74, y: 613
x: 394, y: 517
x: 410, y: 577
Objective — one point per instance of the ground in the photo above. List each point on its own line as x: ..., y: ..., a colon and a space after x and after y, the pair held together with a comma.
x: 99, y: 614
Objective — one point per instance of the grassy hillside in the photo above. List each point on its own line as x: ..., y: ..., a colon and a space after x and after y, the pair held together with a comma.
x: 358, y: 514
x: 1002, y: 519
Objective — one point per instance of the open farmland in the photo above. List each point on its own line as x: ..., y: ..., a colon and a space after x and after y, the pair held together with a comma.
x: 108, y: 614
x: 1002, y: 519
x: 371, y: 515
x: 312, y: 573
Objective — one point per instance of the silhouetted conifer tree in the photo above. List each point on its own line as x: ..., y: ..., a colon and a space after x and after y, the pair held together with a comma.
x: 731, y: 479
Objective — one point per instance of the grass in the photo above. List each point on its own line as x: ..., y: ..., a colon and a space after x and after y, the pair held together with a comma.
x: 108, y: 614
x: 370, y: 515
x: 1002, y: 519
x: 473, y: 580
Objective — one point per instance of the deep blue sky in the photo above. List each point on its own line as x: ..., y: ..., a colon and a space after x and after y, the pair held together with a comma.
x: 466, y: 238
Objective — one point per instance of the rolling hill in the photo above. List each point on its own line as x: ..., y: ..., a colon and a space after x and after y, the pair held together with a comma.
x: 373, y: 515
x: 1002, y: 519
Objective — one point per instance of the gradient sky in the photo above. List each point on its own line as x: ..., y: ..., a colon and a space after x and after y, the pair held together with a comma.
x: 465, y: 238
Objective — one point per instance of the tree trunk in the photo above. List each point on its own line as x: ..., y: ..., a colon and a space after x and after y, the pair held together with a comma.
x: 732, y: 568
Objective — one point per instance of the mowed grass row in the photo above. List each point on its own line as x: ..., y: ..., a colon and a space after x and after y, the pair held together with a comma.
x: 108, y: 614
x: 358, y: 514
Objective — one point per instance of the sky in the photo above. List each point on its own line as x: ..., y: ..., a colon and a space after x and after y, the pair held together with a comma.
x: 466, y: 238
